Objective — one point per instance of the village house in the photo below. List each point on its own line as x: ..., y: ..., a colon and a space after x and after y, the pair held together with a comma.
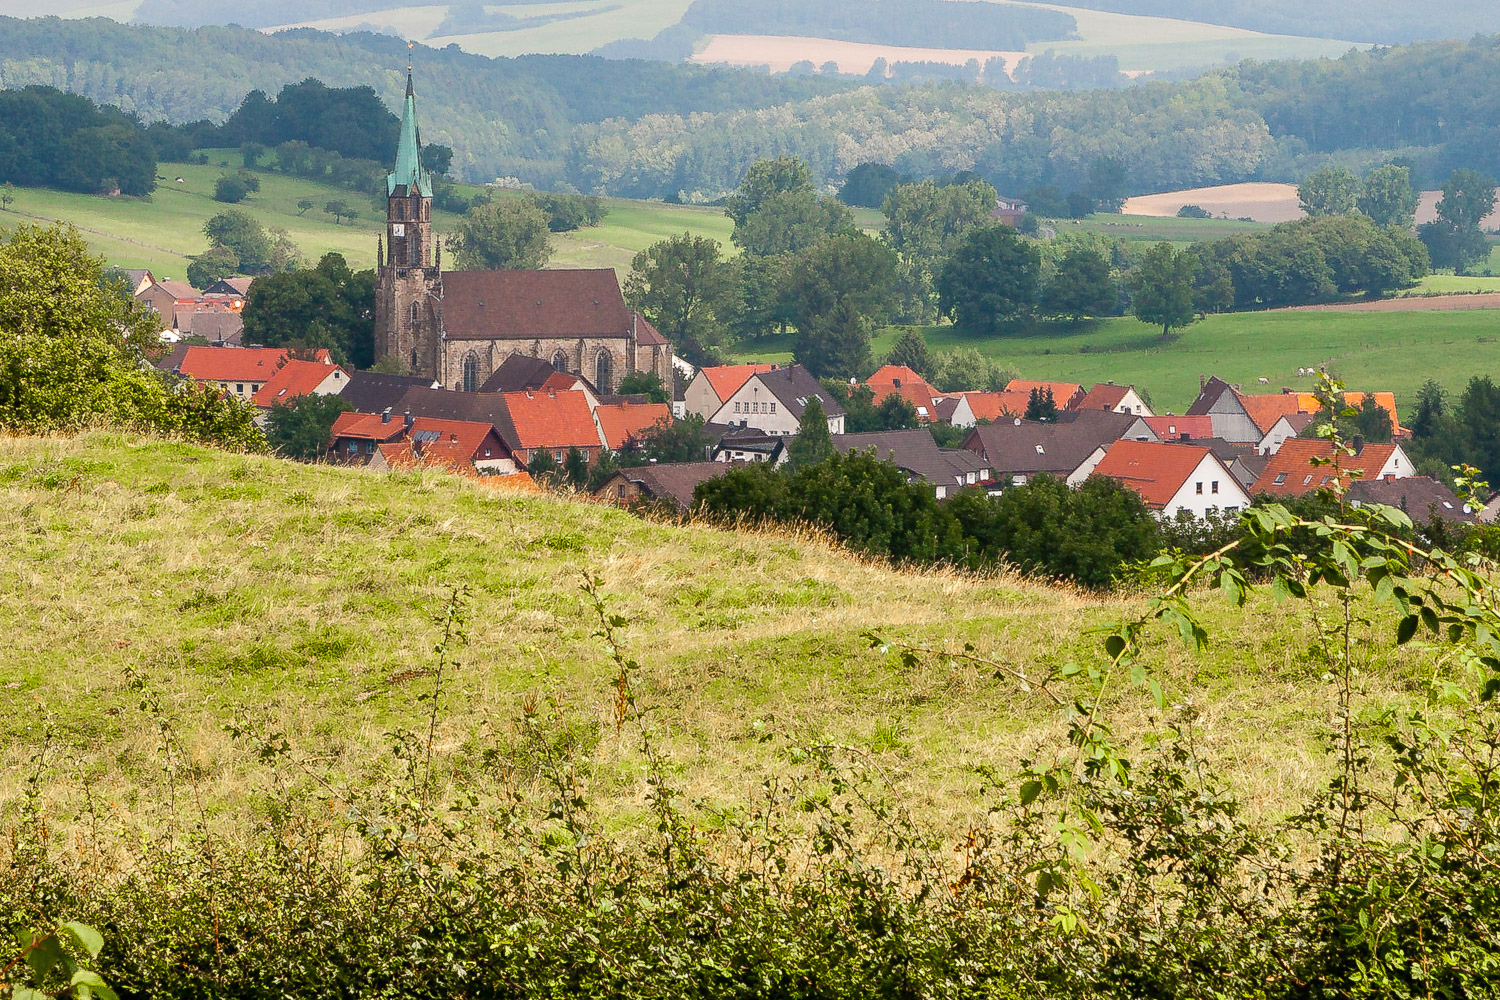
x: 1291, y: 472
x: 914, y: 452
x: 1284, y: 429
x: 748, y: 444
x: 240, y: 372
x: 898, y: 380
x: 965, y: 409
x: 1065, y: 394
x: 459, y: 327
x: 1169, y: 428
x: 1019, y: 450
x: 300, y: 378
x: 383, y: 441
x: 774, y: 401
x: 1250, y: 417
x: 671, y: 484
x: 621, y: 424
x: 1173, y: 478
x: 710, y: 388
x: 554, y: 422
x: 1118, y: 398
x: 1422, y: 498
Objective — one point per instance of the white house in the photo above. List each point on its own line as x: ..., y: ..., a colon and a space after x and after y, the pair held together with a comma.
x: 774, y: 401
x: 1172, y: 478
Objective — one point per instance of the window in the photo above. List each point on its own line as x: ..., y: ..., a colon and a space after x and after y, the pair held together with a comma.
x: 414, y: 316
x: 486, y: 453
x: 400, y: 209
x: 1199, y: 489
x: 1214, y: 487
x: 255, y: 387
x: 1307, y: 480
x: 620, y: 491
x: 773, y: 407
x: 559, y: 456
x: 369, y: 447
x: 560, y: 361
x: 736, y: 407
x: 1280, y: 478
x: 239, y: 387
x: 413, y: 360
x: 471, y: 373
x: 352, y: 447
x: 604, y: 372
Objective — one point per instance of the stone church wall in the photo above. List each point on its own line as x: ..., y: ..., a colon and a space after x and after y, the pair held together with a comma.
x: 581, y: 355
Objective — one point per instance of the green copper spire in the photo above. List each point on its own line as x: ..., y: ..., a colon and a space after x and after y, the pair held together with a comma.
x: 409, y: 172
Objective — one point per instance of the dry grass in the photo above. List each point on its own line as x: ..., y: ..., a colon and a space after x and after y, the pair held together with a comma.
x: 304, y: 597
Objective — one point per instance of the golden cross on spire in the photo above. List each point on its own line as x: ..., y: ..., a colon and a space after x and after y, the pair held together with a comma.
x: 409, y: 47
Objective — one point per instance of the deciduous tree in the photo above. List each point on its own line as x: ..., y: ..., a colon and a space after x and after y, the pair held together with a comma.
x: 1329, y: 191
x: 990, y: 280
x: 1162, y: 288
x: 686, y: 290
x: 505, y: 234
x: 1388, y: 197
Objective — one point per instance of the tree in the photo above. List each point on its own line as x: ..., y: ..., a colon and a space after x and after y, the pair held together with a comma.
x: 216, y: 263
x: 896, y: 413
x: 850, y: 269
x: 925, y: 221
x: 1451, y: 246
x: 1080, y: 286
x: 303, y: 427
x: 73, y: 350
x: 245, y: 237
x: 866, y: 185
x: 668, y: 441
x: 235, y: 188
x: 7, y: 196
x: 812, y: 443
x: 964, y: 369
x: 990, y: 280
x: 1374, y: 421
x: 575, y: 468
x: 543, y: 468
x: 1162, y: 288
x: 685, y: 289
x: 776, y: 210
x: 1430, y: 419
x: 1106, y: 185
x: 1329, y: 191
x: 338, y: 208
x: 911, y: 351
x: 1040, y: 405
x: 325, y: 306
x: 642, y: 383
x: 505, y: 234
x: 436, y: 159
x: 1468, y: 199
x: 304, y: 206
x: 1388, y: 197
x: 762, y: 302
x: 835, y: 343
x: 861, y: 413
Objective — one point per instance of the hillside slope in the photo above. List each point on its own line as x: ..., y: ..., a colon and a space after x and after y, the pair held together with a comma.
x: 304, y: 597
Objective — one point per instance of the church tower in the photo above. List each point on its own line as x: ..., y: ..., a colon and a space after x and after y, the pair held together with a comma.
x: 408, y: 271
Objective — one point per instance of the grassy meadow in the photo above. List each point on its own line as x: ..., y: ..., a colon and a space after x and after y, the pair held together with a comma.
x: 304, y: 598
x: 163, y: 231
x: 1369, y: 350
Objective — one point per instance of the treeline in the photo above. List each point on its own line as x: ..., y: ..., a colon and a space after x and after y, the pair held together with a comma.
x: 932, y: 23
x: 502, y: 117
x: 52, y: 139
x: 1385, y: 21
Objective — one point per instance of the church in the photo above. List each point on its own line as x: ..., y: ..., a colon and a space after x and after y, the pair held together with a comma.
x: 457, y: 327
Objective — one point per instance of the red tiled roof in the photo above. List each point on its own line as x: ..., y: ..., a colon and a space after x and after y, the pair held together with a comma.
x: 1170, y: 428
x: 908, y: 385
x: 236, y: 364
x: 524, y: 304
x: 1153, y: 469
x: 431, y: 440
x: 994, y: 406
x: 294, y: 378
x: 623, y: 421
x: 368, y: 427
x: 726, y: 380
x: 1064, y: 394
x: 1103, y: 396
x: 1292, y: 465
x: 552, y: 420
x: 1267, y: 408
x: 179, y: 289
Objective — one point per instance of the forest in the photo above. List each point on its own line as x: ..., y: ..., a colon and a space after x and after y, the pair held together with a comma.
x: 49, y: 138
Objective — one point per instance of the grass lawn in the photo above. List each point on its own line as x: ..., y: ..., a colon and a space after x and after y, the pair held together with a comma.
x: 304, y: 596
x: 1396, y: 351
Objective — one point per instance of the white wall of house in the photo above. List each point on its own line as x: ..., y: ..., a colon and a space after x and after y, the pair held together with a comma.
x: 1085, y: 470
x: 1131, y: 402
x: 1139, y: 431
x: 963, y: 415
x: 699, y: 397
x: 1398, y: 466
x: 1210, y: 487
x: 1277, y: 436
x: 756, y: 406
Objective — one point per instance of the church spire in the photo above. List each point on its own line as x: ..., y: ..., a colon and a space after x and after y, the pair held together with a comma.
x: 409, y: 172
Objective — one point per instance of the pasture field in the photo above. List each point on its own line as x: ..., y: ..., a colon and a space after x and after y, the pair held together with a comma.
x: 161, y: 233
x: 1369, y: 350
x: 1150, y: 229
x: 303, y: 597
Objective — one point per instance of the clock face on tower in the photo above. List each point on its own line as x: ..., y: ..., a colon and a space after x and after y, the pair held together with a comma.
x: 398, y: 229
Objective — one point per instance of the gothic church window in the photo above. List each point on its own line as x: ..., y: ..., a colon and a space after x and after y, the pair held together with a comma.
x: 560, y: 361
x: 604, y: 372
x: 413, y: 360
x: 471, y: 373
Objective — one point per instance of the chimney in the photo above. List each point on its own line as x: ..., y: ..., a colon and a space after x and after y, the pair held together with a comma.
x: 410, y: 420
x: 385, y: 415
x: 1359, y: 444
x: 896, y: 382
x: 1202, y: 382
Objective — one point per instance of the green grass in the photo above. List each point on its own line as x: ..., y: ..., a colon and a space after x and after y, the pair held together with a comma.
x: 304, y: 596
x: 162, y: 232
x: 1395, y: 350
x: 1146, y: 228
